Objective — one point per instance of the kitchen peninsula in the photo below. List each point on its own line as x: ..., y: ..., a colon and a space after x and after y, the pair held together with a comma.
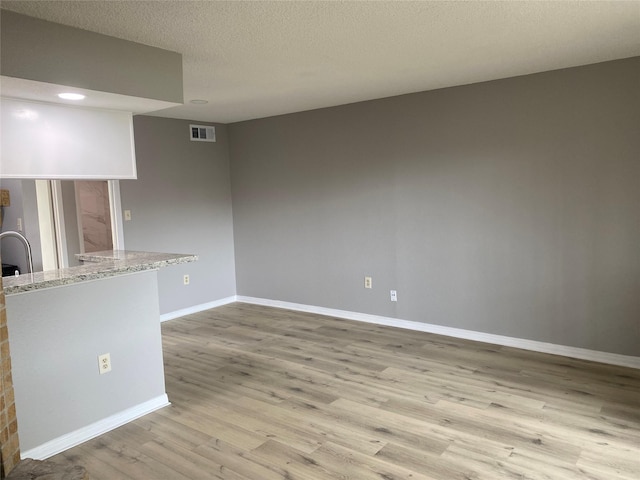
x: 60, y: 322
x: 97, y: 265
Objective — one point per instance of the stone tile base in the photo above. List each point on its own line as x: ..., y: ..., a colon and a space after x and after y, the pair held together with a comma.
x: 44, y: 470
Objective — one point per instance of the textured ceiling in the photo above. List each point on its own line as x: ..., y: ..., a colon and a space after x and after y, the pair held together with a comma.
x: 263, y: 58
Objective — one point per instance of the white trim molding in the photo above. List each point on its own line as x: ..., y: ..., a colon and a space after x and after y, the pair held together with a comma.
x: 115, y: 206
x: 69, y: 440
x: 533, y: 345
x: 197, y: 308
x: 59, y: 229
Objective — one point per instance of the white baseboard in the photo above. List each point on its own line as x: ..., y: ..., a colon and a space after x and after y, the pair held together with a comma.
x: 93, y: 430
x: 533, y: 345
x: 197, y: 308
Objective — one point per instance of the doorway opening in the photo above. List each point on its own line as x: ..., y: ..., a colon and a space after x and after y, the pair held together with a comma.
x: 94, y: 215
x: 86, y: 217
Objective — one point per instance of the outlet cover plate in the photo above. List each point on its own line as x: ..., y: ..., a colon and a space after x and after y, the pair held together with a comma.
x: 104, y: 363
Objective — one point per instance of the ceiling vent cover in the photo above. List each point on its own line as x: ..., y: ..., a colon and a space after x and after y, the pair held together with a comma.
x: 202, y: 133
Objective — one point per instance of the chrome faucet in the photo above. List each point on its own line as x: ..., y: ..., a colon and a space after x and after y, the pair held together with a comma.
x: 25, y: 242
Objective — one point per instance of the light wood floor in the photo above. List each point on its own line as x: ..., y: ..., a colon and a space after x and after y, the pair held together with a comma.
x: 260, y: 393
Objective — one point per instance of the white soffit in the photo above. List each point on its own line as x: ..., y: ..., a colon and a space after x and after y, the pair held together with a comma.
x: 264, y: 58
x: 48, y: 92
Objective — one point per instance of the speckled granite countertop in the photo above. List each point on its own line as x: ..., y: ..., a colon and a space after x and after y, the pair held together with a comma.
x: 97, y: 265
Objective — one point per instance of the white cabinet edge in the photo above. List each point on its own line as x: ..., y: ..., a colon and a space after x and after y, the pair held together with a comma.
x: 53, y: 141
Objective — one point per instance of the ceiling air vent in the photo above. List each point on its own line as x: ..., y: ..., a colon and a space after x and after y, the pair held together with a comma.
x: 202, y: 133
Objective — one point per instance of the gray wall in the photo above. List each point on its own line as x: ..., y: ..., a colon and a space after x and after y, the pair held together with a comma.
x: 32, y: 221
x: 23, y: 205
x: 56, y: 337
x: 181, y: 203
x: 48, y: 52
x: 509, y: 207
x: 11, y: 249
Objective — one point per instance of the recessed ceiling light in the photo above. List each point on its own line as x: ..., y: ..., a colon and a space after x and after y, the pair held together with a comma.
x: 71, y: 96
x: 199, y: 102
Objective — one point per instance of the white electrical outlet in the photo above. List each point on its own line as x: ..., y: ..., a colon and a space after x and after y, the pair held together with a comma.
x: 394, y: 296
x: 185, y: 279
x: 104, y: 363
x: 127, y: 215
x: 367, y: 282
x: 19, y: 224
